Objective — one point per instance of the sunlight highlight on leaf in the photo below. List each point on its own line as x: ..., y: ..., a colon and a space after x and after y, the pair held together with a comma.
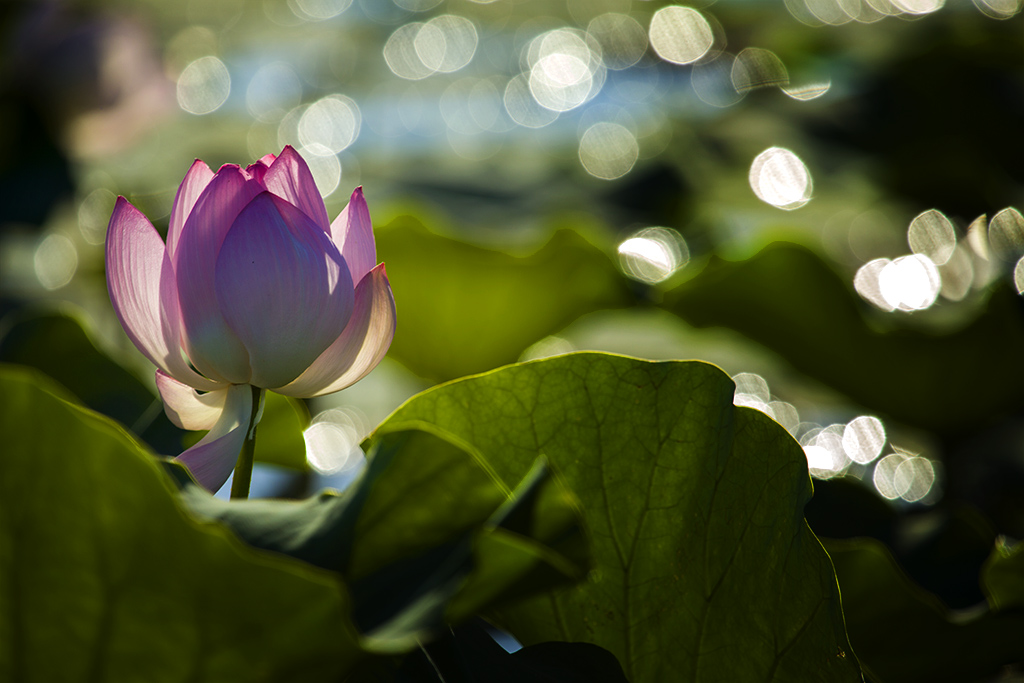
x: 646, y: 445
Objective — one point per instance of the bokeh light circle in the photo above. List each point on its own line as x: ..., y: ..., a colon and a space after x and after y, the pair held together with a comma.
x: 622, y: 38
x: 910, y: 283
x: 653, y: 255
x: 608, y: 150
x: 680, y: 35
x: 932, y: 235
x: 330, y: 123
x: 864, y: 439
x: 203, y: 87
x: 778, y: 177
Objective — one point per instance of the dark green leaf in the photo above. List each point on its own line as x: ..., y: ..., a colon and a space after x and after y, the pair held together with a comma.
x: 903, y: 634
x: 464, y: 309
x: 1003, y: 576
x: 425, y: 537
x: 103, y: 577
x: 469, y: 654
x: 56, y: 343
x: 704, y: 564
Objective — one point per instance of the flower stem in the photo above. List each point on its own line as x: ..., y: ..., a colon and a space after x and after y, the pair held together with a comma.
x: 243, y: 468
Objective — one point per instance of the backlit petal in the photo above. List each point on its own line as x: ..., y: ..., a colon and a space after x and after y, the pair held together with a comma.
x: 140, y: 281
x: 196, y: 180
x: 185, y: 407
x: 352, y: 232
x: 212, y: 346
x: 258, y: 169
x: 211, y: 460
x: 290, y: 179
x: 283, y: 287
x: 359, y: 348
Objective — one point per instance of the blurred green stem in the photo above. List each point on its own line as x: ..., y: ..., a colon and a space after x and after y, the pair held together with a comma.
x: 243, y: 468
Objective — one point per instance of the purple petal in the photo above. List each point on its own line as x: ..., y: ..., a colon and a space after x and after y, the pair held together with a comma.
x: 140, y: 281
x: 256, y: 172
x: 258, y: 169
x: 195, y: 181
x: 352, y: 232
x: 359, y: 348
x: 290, y: 179
x: 185, y: 407
x: 211, y: 460
x: 212, y: 346
x: 283, y: 287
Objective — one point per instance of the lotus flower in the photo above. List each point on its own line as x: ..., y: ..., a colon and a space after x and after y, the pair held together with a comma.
x: 254, y: 289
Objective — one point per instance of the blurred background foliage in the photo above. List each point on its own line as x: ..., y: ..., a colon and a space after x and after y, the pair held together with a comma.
x: 816, y: 195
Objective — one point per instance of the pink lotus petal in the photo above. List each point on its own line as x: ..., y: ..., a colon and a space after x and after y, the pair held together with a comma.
x: 283, y: 287
x: 185, y: 407
x: 352, y: 232
x: 211, y: 460
x: 256, y: 172
x: 258, y: 169
x: 212, y: 346
x: 290, y: 179
x: 196, y: 180
x: 359, y: 348
x: 140, y: 281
